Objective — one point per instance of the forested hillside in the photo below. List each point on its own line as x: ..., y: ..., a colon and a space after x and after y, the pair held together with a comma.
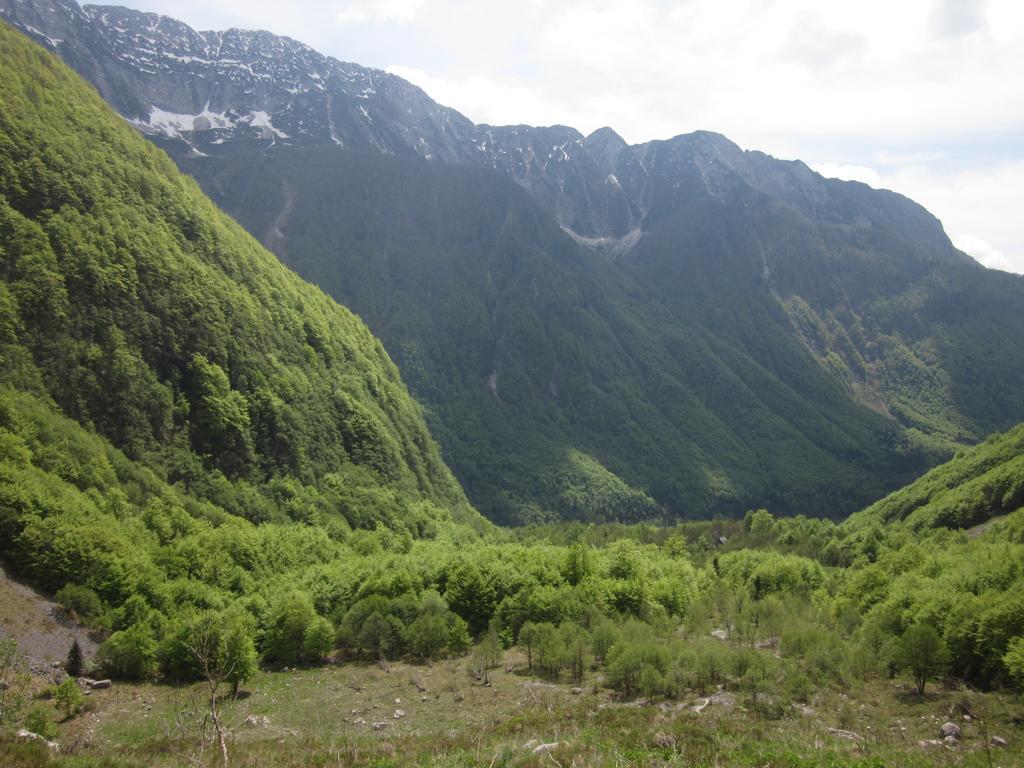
x: 154, y: 354
x: 691, y: 396
x: 980, y: 483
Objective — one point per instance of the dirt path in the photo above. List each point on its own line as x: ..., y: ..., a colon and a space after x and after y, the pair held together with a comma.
x: 42, y: 628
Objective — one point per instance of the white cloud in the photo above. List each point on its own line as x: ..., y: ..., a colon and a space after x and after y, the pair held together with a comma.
x: 480, y: 99
x: 957, y: 18
x: 379, y: 11
x: 861, y: 173
x: 817, y: 46
x: 983, y: 252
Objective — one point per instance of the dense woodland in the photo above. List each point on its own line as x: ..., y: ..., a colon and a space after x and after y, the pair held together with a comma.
x: 137, y: 309
x: 551, y: 373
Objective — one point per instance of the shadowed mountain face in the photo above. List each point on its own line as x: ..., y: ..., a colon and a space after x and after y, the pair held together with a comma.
x: 597, y: 329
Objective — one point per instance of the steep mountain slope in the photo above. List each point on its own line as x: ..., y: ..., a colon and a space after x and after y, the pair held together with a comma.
x: 545, y: 366
x: 680, y: 324
x: 138, y: 310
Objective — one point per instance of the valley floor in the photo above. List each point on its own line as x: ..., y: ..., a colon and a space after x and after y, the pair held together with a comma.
x: 361, y: 714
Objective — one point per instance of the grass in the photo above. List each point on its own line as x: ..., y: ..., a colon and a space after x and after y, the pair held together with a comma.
x: 357, y: 714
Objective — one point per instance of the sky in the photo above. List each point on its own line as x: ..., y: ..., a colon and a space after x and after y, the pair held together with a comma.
x: 924, y: 97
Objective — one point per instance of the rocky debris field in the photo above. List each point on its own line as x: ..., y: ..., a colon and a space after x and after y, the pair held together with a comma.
x: 42, y: 628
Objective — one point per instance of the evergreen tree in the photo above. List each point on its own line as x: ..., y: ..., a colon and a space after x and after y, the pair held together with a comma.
x: 75, y: 662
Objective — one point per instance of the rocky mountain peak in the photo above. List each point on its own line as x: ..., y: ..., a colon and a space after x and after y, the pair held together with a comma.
x: 605, y: 144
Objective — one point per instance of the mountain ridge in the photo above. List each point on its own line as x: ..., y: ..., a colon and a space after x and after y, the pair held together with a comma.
x: 304, y: 74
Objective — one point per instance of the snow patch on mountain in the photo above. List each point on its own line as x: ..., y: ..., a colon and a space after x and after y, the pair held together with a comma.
x: 260, y: 119
x: 173, y: 124
x: 53, y: 41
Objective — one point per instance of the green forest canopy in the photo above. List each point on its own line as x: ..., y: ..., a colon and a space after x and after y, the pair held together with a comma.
x: 133, y: 306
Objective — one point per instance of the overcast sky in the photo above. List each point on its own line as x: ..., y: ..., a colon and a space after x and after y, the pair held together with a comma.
x: 925, y: 97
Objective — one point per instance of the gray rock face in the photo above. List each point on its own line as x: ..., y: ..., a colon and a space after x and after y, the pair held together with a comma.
x: 212, y: 90
x: 26, y: 735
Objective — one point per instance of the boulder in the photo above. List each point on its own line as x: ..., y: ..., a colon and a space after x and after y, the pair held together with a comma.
x: 542, y: 749
x: 999, y: 741
x: 839, y: 733
x: 722, y: 699
x: 26, y: 735
x: 950, y: 729
x: 99, y: 685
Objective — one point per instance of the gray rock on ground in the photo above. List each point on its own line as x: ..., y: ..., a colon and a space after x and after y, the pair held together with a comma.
x: 839, y: 733
x: 26, y: 735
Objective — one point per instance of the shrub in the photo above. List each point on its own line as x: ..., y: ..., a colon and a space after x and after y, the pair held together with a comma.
x: 39, y: 719
x: 69, y: 697
x: 129, y: 654
x: 427, y: 636
x: 1013, y: 660
x: 286, y: 635
x: 79, y: 601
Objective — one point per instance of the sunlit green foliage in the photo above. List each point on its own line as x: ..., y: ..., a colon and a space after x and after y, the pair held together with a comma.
x: 984, y: 481
x: 136, y: 308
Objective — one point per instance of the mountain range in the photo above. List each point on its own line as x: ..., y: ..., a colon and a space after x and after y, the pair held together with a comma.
x: 597, y: 330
